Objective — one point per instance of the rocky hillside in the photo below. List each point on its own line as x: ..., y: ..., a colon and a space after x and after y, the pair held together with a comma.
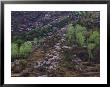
x: 28, y: 20
x: 47, y: 61
x: 55, y: 43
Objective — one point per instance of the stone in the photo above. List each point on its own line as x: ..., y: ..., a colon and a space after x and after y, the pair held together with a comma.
x: 58, y: 44
x: 50, y: 67
x: 57, y: 48
x: 66, y: 47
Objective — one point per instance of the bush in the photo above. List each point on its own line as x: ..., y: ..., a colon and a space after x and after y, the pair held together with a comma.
x: 80, y: 34
x: 81, y: 29
x: 91, y: 46
x: 24, y: 50
x: 19, y: 42
x: 93, y: 43
x: 80, y: 38
x: 14, y: 50
x: 76, y: 34
x: 70, y: 35
x: 94, y: 38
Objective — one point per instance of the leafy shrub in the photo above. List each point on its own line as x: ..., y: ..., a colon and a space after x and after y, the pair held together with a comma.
x: 80, y: 28
x: 14, y: 50
x: 94, y: 38
x: 80, y: 39
x: 25, y: 49
x: 70, y: 35
x: 76, y: 34
x: 93, y: 43
x: 91, y: 46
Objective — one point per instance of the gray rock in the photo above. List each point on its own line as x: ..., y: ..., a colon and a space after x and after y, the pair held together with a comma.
x: 66, y: 47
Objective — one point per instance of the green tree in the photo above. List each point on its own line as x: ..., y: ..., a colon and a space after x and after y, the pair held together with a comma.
x: 93, y: 43
x: 19, y: 43
x: 90, y: 47
x: 81, y: 29
x: 14, y: 50
x: 80, y: 34
x: 70, y: 35
x: 80, y: 38
x: 95, y: 38
x: 76, y: 34
x: 25, y: 49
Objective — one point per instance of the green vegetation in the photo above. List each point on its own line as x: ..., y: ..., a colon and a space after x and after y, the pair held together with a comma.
x: 80, y: 39
x: 94, y: 38
x: 14, y: 50
x: 78, y: 34
x: 70, y: 35
x: 55, y: 43
x: 91, y: 46
x: 21, y: 51
x: 25, y: 48
x: 93, y: 43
